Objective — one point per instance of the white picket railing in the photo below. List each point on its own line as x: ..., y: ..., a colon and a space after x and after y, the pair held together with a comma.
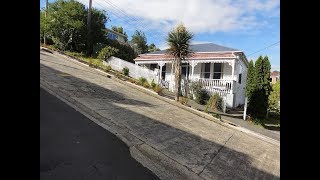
x: 221, y: 86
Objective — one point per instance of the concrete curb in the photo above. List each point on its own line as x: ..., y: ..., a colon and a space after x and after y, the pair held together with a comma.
x: 172, y: 102
x: 160, y: 164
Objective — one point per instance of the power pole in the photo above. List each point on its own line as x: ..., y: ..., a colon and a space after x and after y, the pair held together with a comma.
x: 45, y: 16
x: 89, y: 29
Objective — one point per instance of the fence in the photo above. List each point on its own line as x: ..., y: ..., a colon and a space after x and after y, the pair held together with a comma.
x: 135, y: 70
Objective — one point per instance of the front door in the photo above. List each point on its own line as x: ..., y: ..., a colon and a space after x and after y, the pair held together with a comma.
x: 185, y: 71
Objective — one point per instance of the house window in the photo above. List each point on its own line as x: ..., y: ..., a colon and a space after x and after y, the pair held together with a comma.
x: 153, y: 66
x: 240, y: 75
x: 205, y: 72
x: 217, y: 70
x: 163, y: 75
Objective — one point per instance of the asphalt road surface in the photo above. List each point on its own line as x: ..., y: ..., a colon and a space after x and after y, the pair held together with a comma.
x: 72, y: 147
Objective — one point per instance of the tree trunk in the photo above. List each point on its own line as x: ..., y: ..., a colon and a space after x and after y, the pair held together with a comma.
x: 177, y: 75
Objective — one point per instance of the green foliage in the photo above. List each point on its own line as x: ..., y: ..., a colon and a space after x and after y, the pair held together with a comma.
x: 91, y: 63
x: 107, y: 52
x: 120, y: 30
x: 142, y: 80
x: 183, y: 100
x: 152, y: 48
x: 216, y: 115
x: 107, y: 68
x: 258, y: 99
x: 66, y: 25
x: 125, y: 71
x: 274, y: 98
x: 125, y: 51
x: 215, y: 102
x: 250, y: 85
x: 201, y: 95
x: 146, y: 84
x: 152, y: 84
x: 179, y: 40
x: 139, y: 38
x: 158, y: 89
x: 117, y: 29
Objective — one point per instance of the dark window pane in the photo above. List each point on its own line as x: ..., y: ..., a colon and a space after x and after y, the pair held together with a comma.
x: 207, y: 67
x: 240, y: 78
x: 216, y: 75
x: 217, y: 67
x: 207, y: 75
x: 183, y: 70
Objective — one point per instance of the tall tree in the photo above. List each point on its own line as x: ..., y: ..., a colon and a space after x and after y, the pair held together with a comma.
x: 139, y: 38
x: 259, y: 98
x: 117, y: 29
x: 274, y: 98
x: 67, y: 25
x: 251, y: 85
x: 120, y: 30
x: 179, y: 40
x: 152, y: 47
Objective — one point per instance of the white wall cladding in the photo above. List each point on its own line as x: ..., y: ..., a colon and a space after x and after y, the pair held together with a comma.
x: 227, y: 71
x: 135, y: 70
x: 239, y: 89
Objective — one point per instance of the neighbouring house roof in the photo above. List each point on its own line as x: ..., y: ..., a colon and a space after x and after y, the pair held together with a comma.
x: 275, y: 73
x: 200, y: 51
x: 110, y: 30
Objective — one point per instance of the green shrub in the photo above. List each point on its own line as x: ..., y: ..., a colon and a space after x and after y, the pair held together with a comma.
x: 215, y: 102
x: 142, y: 80
x: 274, y: 98
x: 183, y: 100
x: 146, y: 84
x: 125, y: 51
x: 107, y: 68
x: 152, y: 83
x: 91, y: 62
x: 216, y: 115
x: 125, y: 71
x: 201, y: 95
x: 157, y: 89
x: 107, y: 52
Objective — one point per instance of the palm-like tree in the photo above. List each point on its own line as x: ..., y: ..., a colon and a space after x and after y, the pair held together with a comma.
x: 179, y: 40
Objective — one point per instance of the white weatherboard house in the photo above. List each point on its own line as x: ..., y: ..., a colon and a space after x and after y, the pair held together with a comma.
x: 219, y: 69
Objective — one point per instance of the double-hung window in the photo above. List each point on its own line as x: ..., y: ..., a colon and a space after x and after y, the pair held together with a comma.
x: 217, y: 70
x: 205, y: 73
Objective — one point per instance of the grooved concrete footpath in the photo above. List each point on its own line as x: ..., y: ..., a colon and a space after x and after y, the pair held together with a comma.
x: 172, y: 142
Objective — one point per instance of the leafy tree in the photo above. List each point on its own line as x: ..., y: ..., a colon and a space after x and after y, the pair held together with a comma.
x: 179, y: 41
x: 152, y: 47
x: 251, y: 85
x: 97, y: 35
x: 121, y: 31
x: 140, y: 40
x: 67, y: 25
x: 125, y: 52
x: 274, y: 98
x: 117, y: 29
x: 259, y: 96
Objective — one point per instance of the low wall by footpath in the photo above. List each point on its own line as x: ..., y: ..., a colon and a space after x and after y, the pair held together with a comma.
x: 135, y: 70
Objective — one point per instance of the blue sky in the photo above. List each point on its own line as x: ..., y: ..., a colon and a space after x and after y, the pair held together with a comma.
x: 247, y: 25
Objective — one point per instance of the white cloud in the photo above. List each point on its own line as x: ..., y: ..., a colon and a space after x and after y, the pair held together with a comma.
x: 198, y: 16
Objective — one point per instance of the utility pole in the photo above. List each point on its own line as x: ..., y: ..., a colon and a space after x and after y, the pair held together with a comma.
x: 45, y: 16
x: 89, y: 29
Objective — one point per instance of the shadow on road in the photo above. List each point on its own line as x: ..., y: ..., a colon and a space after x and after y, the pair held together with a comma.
x: 177, y: 144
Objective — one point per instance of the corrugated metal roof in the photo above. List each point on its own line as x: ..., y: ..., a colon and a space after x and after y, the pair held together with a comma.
x: 206, y: 47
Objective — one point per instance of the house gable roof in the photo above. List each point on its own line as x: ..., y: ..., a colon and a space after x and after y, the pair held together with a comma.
x: 205, y: 47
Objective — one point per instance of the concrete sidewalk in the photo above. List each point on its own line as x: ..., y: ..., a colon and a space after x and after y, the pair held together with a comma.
x: 172, y: 142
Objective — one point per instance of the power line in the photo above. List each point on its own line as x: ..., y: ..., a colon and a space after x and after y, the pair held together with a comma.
x: 264, y: 48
